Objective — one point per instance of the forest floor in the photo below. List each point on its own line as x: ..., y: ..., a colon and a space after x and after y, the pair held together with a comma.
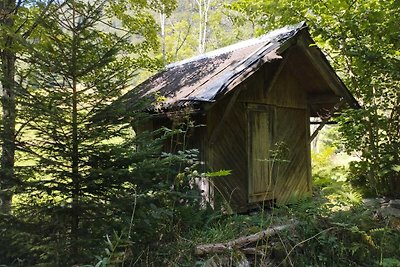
x: 324, y: 231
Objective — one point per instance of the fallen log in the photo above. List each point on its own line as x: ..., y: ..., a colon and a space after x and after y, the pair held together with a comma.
x: 254, y: 251
x: 241, y: 241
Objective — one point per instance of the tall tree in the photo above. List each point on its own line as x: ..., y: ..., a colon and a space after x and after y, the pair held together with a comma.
x: 8, y: 57
x: 203, y: 9
x: 80, y: 62
x: 18, y: 22
x: 195, y: 27
x: 164, y: 9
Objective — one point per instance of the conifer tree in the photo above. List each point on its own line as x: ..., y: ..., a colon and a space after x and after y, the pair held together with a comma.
x: 83, y: 179
x: 18, y: 22
x: 81, y: 61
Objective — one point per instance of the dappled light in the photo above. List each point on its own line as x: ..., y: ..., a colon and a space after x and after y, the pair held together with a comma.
x: 268, y: 134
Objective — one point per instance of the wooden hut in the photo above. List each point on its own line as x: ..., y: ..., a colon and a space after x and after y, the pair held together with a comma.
x: 254, y: 100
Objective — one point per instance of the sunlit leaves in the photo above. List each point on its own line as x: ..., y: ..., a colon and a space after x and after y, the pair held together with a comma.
x: 363, y: 40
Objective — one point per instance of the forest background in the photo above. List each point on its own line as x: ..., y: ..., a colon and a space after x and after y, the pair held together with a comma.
x: 73, y: 186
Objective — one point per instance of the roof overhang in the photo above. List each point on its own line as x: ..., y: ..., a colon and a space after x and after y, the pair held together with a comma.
x: 194, y: 83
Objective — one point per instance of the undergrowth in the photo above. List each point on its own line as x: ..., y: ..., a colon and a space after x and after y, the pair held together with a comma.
x: 329, y: 233
x: 333, y: 228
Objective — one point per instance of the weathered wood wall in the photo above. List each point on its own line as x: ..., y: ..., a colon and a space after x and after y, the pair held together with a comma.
x: 229, y: 152
x: 260, y: 121
x: 292, y: 165
x: 264, y: 140
x: 194, y: 138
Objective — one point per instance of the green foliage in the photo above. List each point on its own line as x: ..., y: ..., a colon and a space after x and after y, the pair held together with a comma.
x: 143, y: 199
x: 330, y: 175
x: 182, y: 28
x: 218, y: 173
x: 330, y: 232
x: 100, y: 189
x: 390, y: 262
x: 166, y: 204
x: 362, y: 38
x: 334, y: 229
x: 85, y: 180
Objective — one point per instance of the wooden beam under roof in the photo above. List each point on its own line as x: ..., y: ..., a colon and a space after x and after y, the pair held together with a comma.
x: 323, y: 99
x: 321, y: 64
x: 326, y: 119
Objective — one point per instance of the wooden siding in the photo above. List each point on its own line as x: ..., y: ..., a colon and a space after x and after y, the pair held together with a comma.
x: 286, y: 91
x: 263, y: 140
x: 289, y: 159
x: 228, y: 152
x: 291, y: 163
x: 195, y: 138
x: 278, y: 153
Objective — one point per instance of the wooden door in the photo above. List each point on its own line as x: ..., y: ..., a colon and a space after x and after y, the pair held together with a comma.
x: 260, y: 130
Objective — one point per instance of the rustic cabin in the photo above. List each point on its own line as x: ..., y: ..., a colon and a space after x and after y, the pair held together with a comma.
x: 253, y: 101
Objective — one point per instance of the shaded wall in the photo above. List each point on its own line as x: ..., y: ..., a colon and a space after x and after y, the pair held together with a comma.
x: 263, y: 120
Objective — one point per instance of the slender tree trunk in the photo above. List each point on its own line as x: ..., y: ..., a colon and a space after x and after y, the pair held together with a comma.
x: 200, y: 5
x: 373, y: 147
x: 205, y: 22
x: 204, y: 6
x: 75, y: 172
x: 8, y: 58
x: 162, y: 26
x: 75, y: 146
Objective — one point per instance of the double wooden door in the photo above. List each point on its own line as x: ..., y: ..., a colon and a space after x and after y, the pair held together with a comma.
x: 278, y: 152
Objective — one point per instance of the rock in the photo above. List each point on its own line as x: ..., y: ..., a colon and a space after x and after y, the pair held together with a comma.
x: 394, y: 203
x: 372, y: 202
x: 395, y: 223
x: 390, y: 211
x: 383, y: 207
x: 384, y: 201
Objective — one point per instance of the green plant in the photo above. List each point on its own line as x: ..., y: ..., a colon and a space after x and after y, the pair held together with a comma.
x: 390, y: 262
x: 361, y: 38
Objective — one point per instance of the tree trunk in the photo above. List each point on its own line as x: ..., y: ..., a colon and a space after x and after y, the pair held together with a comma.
x: 7, y: 179
x: 163, y: 17
x: 204, y: 6
x: 75, y: 145
x: 200, y: 5
x: 205, y: 22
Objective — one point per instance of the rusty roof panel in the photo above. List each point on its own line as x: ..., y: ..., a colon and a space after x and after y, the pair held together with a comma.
x: 203, y: 78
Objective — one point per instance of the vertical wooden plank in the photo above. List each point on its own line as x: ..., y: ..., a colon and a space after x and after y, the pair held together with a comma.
x: 309, y: 163
x: 260, y: 127
x: 249, y: 151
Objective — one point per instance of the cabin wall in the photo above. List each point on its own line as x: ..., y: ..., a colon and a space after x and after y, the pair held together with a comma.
x: 228, y: 143
x: 228, y: 151
x: 285, y: 92
x: 194, y: 138
x: 285, y: 104
x: 289, y: 157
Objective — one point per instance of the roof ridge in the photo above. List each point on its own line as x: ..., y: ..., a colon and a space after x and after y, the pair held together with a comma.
x: 239, y: 45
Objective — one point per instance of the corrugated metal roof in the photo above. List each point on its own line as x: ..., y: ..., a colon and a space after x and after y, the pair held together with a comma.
x: 203, y: 78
